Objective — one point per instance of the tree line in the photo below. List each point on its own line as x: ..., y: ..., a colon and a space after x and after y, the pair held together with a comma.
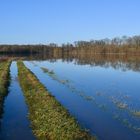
x: 121, y: 45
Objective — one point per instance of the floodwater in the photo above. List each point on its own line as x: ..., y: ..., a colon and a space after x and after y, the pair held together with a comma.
x: 15, y: 124
x: 105, y: 99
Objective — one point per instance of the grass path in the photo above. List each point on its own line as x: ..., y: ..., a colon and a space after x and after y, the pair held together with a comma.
x: 50, y: 120
x: 4, y: 82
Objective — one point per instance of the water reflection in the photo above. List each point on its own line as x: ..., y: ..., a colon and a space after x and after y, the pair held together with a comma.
x: 104, y: 100
x: 15, y: 124
x: 101, y: 91
x: 116, y: 61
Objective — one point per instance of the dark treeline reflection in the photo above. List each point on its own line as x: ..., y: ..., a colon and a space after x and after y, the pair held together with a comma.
x: 117, y: 61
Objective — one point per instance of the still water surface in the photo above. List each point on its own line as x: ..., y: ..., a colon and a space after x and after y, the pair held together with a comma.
x: 104, y: 100
x: 15, y: 124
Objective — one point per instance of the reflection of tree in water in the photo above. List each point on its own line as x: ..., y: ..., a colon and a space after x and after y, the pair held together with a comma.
x: 122, y: 62
x: 116, y: 61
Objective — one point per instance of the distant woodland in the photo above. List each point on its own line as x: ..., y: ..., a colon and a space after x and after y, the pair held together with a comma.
x: 121, y: 53
x: 123, y: 45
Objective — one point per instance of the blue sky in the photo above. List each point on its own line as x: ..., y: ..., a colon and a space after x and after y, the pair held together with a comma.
x: 62, y: 21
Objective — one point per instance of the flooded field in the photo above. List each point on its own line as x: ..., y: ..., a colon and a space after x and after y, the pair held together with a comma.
x: 15, y: 124
x: 103, y: 97
x: 104, y: 100
x: 69, y: 70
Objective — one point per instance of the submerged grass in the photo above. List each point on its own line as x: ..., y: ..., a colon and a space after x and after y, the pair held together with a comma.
x: 136, y: 113
x: 45, y: 70
x: 66, y: 82
x: 73, y: 89
x: 4, y: 82
x: 50, y: 120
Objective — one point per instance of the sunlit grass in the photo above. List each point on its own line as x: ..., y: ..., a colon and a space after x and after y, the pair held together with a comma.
x: 50, y: 120
x: 4, y: 82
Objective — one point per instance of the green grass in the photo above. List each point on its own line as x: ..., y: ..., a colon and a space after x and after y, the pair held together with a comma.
x: 49, y: 119
x: 4, y: 82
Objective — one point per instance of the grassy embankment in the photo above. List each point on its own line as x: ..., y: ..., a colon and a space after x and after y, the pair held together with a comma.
x: 49, y: 119
x: 4, y: 82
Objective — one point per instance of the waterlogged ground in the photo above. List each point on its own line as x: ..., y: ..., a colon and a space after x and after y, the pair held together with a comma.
x: 104, y: 100
x: 14, y: 123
